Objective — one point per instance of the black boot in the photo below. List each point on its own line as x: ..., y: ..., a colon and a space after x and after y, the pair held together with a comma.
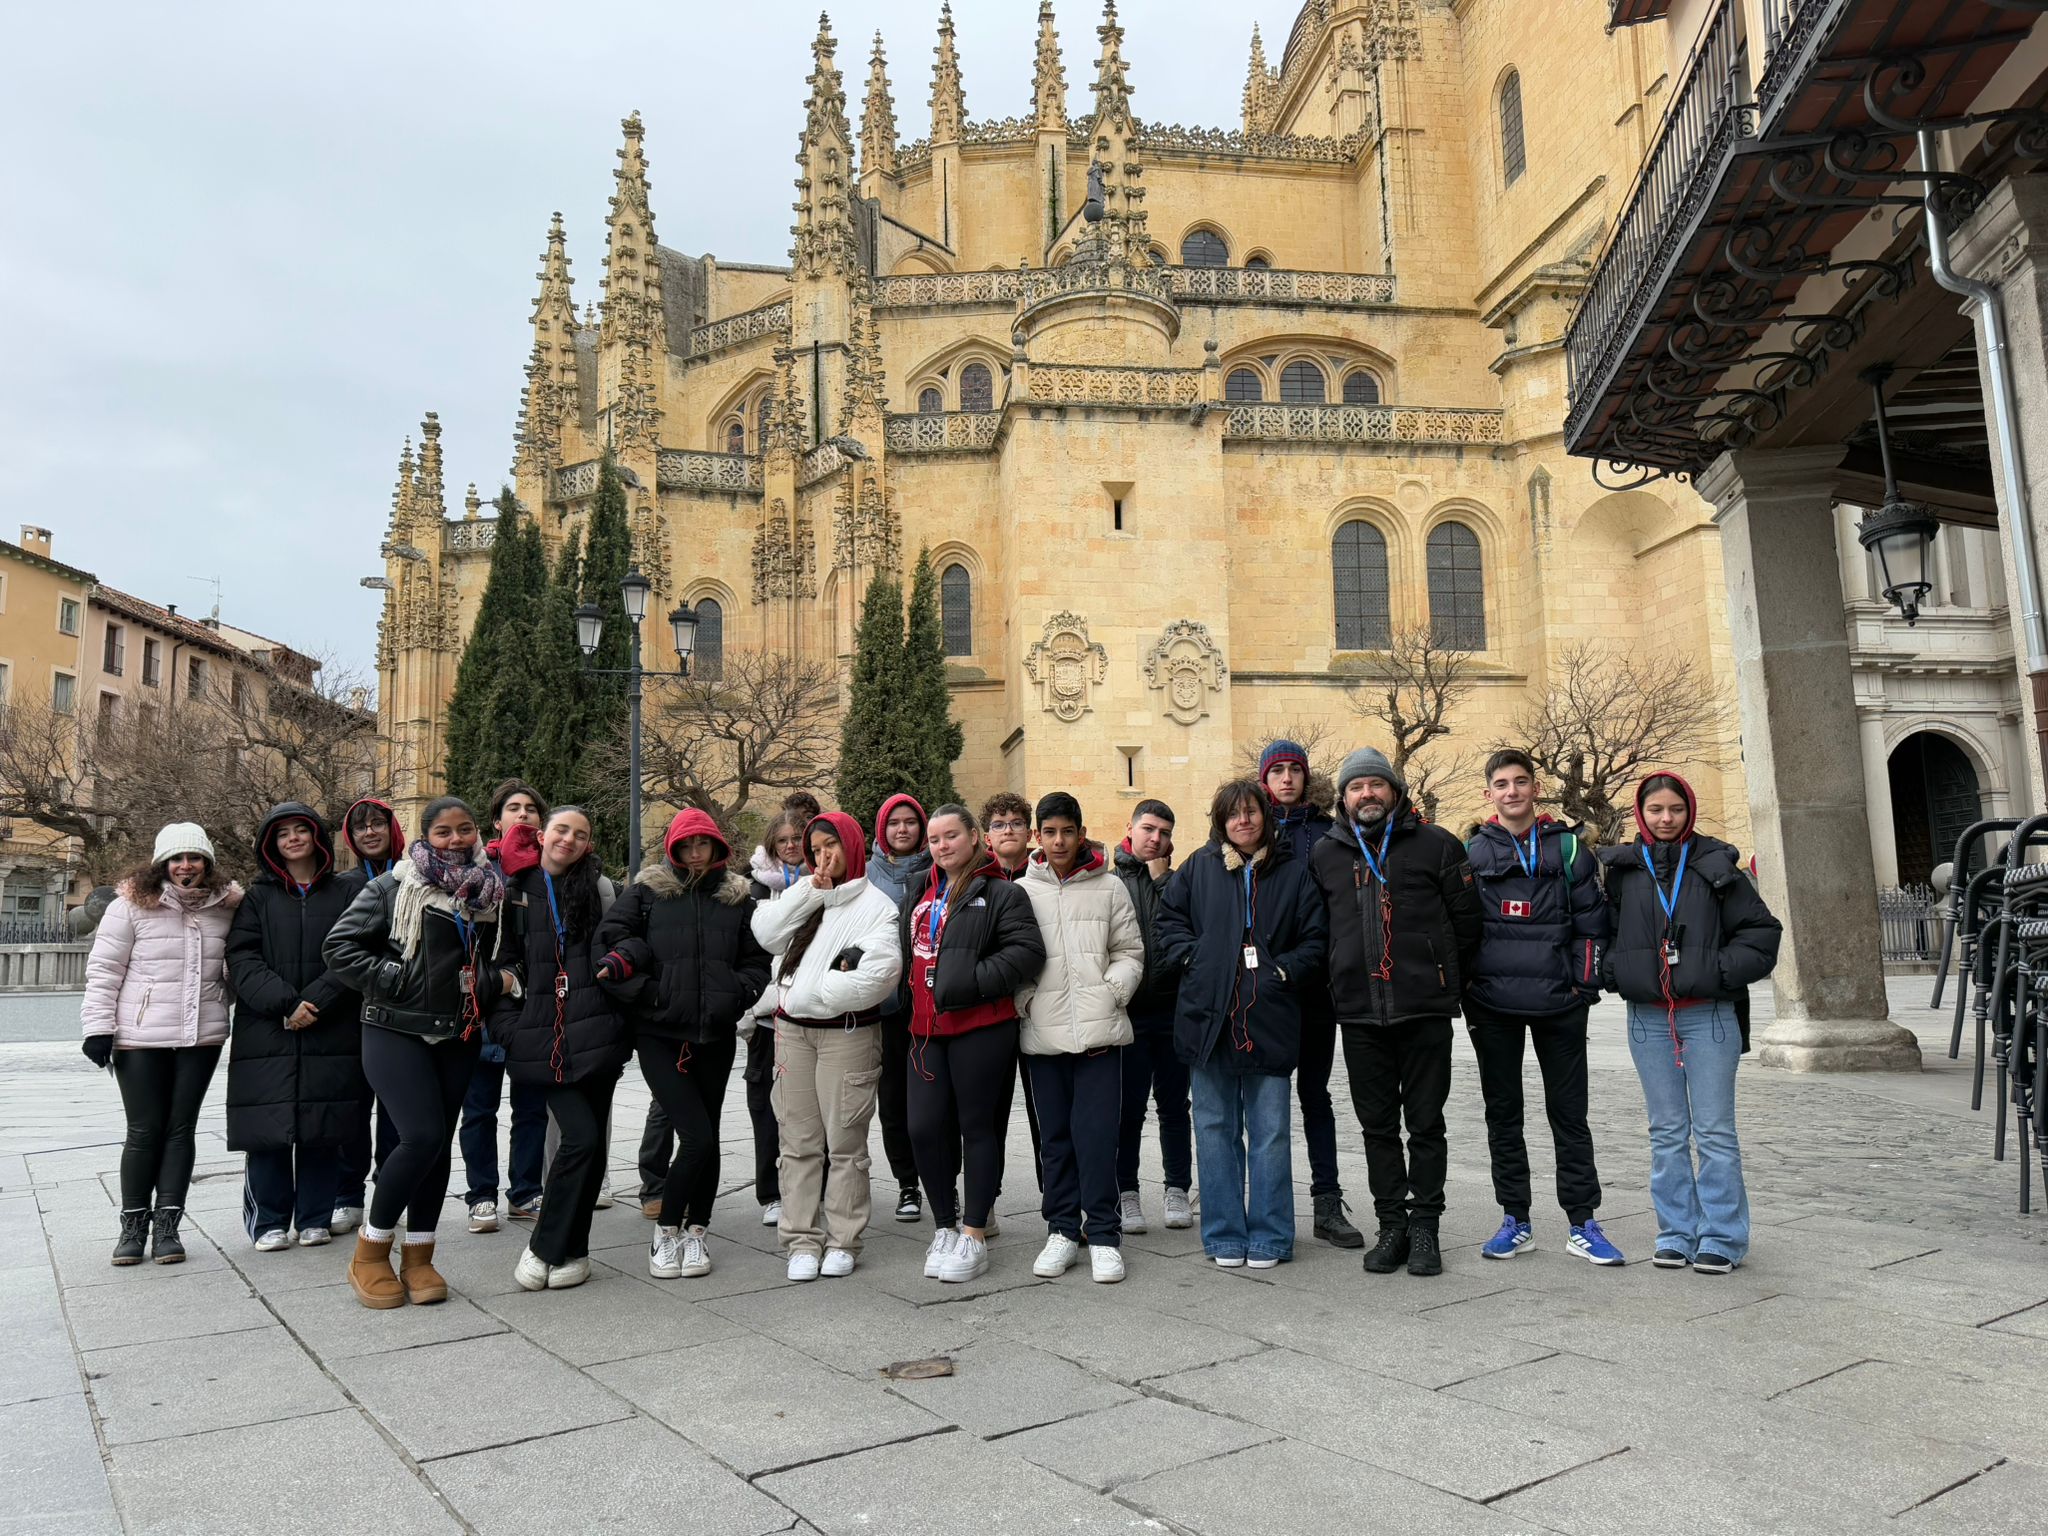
x: 164, y: 1246
x: 1331, y: 1224
x: 134, y: 1228
x: 1389, y: 1252
x: 1424, y: 1256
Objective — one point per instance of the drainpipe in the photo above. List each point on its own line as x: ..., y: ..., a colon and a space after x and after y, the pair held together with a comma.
x: 2005, y: 414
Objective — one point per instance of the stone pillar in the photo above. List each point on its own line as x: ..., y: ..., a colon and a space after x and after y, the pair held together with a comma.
x: 1855, y: 560
x: 1802, y: 756
x: 1877, y: 794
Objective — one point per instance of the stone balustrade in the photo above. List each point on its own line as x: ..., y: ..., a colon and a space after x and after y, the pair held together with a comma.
x: 1363, y: 424
x: 944, y: 432
x: 682, y: 469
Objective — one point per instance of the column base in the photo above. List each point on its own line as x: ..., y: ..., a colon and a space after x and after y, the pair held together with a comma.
x: 1838, y: 1045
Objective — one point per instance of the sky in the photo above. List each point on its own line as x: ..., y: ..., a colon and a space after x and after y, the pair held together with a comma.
x: 247, y: 246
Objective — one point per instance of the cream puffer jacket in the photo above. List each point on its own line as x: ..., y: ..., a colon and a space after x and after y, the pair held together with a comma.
x: 157, y: 976
x: 857, y: 916
x: 1094, y: 959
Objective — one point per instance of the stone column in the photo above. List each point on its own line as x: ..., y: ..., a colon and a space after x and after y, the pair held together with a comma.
x: 1855, y: 560
x: 1877, y: 794
x: 1802, y: 755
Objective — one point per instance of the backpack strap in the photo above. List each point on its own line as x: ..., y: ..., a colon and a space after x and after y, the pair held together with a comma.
x: 1571, y: 856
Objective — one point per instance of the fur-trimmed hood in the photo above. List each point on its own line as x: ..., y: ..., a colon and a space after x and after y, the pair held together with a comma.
x: 661, y: 879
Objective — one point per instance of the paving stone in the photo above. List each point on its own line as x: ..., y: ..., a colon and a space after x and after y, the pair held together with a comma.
x: 611, y: 1317
x: 443, y: 1399
x: 1590, y: 1500
x: 37, y: 1360
x: 859, y: 1332
x: 929, y: 1486
x: 611, y: 1477
x: 183, y: 1386
x: 195, y: 1305
x: 83, y: 1261
x: 758, y: 1405
x: 2007, y: 1497
x: 57, y: 1484
x: 2002, y: 1416
x: 1463, y: 1447
x: 1114, y: 1331
x: 2031, y: 1322
x: 335, y: 1326
x: 1000, y: 1386
x: 735, y: 1269
x: 1131, y: 1441
x: 1785, y: 1323
x: 330, y: 1472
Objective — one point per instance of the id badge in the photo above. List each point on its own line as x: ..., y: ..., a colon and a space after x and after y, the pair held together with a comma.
x: 1670, y: 952
x: 467, y: 980
x: 1251, y: 957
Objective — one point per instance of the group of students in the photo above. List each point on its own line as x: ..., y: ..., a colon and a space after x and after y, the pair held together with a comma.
x: 916, y: 975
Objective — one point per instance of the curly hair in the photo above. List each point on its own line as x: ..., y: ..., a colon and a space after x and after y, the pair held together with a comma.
x: 148, y: 880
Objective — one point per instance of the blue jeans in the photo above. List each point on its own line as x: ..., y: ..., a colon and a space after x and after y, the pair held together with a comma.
x: 479, y: 1135
x: 1246, y: 1163
x: 1692, y: 1106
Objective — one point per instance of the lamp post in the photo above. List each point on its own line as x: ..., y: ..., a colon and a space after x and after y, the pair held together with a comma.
x: 1901, y: 531
x: 682, y: 619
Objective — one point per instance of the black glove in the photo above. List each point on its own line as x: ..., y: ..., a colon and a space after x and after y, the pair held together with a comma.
x: 99, y: 1049
x: 847, y: 959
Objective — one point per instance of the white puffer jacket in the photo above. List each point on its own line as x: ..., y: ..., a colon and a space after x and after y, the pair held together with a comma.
x: 157, y: 976
x: 857, y: 916
x: 1094, y: 959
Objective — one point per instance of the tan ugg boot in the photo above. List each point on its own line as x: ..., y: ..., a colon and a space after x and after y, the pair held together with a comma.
x: 370, y: 1276
x: 416, y: 1272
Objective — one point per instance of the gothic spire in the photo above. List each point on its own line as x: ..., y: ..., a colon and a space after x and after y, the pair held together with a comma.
x: 635, y: 329
x: 429, y: 500
x: 1049, y: 79
x: 878, y: 117
x: 1260, y: 86
x: 551, y: 369
x: 1112, y: 87
x: 401, y: 495
x: 949, y: 98
x: 824, y: 226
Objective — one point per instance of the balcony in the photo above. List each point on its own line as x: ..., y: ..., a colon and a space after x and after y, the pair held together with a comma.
x: 1630, y: 13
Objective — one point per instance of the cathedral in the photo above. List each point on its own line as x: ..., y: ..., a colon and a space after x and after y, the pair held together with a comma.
x: 1193, y: 421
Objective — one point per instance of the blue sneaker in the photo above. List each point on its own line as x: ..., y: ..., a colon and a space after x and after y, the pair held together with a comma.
x: 1591, y: 1244
x: 1511, y: 1239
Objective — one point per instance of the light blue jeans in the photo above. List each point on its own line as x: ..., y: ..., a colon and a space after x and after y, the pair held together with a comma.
x: 1692, y: 1106
x: 1246, y: 1160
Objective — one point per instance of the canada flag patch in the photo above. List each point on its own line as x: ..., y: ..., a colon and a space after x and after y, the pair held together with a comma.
x: 1515, y: 909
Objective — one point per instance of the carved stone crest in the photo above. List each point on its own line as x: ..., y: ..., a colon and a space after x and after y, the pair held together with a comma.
x: 1066, y: 665
x: 1187, y: 666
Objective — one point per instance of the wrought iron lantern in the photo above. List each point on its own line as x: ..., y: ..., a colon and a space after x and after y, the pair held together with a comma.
x: 1901, y: 532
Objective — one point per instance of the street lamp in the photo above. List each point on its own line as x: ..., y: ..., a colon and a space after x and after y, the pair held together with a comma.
x: 633, y: 592
x: 682, y: 625
x: 1901, y: 531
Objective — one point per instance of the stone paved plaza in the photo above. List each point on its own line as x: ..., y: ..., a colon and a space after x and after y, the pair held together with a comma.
x: 1880, y: 1361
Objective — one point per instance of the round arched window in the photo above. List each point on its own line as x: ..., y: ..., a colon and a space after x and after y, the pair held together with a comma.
x: 1303, y: 383
x: 1361, y: 388
x: 1244, y: 387
x: 977, y: 388
x: 930, y: 402
x: 1204, y: 248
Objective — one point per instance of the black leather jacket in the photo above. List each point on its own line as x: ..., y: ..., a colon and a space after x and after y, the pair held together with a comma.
x: 420, y: 995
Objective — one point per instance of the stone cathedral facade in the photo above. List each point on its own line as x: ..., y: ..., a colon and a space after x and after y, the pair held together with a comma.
x: 1192, y: 420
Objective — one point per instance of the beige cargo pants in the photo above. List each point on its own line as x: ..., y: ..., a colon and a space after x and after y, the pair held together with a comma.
x: 824, y: 1097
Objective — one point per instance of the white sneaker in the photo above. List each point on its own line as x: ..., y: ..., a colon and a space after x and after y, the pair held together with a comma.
x: 935, y: 1256
x: 665, y: 1254
x: 1227, y: 1263
x: 967, y: 1260
x: 604, y: 1194
x: 274, y: 1241
x: 1130, y: 1211
x: 531, y: 1272
x: 483, y: 1216
x: 314, y: 1237
x: 1180, y: 1211
x: 771, y: 1214
x: 993, y: 1229
x: 1056, y: 1258
x: 1262, y: 1263
x: 563, y: 1276
x: 346, y: 1218
x: 1107, y: 1264
x: 696, y: 1258
x: 838, y: 1264
x: 803, y: 1266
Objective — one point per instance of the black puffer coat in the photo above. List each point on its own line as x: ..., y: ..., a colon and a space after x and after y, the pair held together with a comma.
x: 1543, y: 934
x: 694, y: 967
x: 1158, y: 995
x: 586, y: 1036
x: 1426, y: 945
x: 291, y: 1087
x: 989, y: 951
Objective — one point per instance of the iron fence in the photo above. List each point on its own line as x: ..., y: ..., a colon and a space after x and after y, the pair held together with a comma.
x: 1909, y: 928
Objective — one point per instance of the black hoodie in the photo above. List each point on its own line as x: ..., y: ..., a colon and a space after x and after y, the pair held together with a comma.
x: 303, y: 1086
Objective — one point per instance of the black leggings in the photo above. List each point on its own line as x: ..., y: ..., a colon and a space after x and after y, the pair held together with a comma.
x: 161, y: 1091
x: 422, y: 1086
x: 581, y: 1108
x: 691, y: 1097
x: 959, y: 1091
x: 760, y: 1076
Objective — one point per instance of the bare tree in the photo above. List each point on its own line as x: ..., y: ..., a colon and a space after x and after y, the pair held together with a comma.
x: 1611, y: 715
x: 50, y: 763
x: 769, y: 721
x: 1415, y: 688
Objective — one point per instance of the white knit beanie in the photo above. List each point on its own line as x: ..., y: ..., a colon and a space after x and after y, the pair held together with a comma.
x: 182, y: 837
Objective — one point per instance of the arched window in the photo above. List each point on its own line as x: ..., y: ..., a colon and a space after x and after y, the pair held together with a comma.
x: 1361, y: 388
x: 1358, y: 562
x: 1514, y: 157
x: 977, y: 388
x: 1204, y: 248
x: 956, y: 610
x: 1457, y: 588
x: 1244, y: 386
x: 709, y: 660
x: 761, y: 439
x: 736, y: 437
x: 930, y: 402
x: 1258, y: 264
x: 1303, y: 384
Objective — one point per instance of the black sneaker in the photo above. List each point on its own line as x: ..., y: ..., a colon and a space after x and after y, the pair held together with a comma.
x: 1424, y: 1257
x: 164, y: 1246
x: 1389, y: 1253
x: 1331, y: 1224
x: 1669, y: 1258
x: 909, y: 1207
x: 134, y: 1233
x: 1705, y: 1263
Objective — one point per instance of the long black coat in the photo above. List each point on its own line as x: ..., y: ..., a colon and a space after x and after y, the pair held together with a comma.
x: 1227, y: 1016
x: 291, y: 1087
x: 589, y: 1036
x: 695, y: 964
x: 1153, y: 1008
x: 1727, y: 938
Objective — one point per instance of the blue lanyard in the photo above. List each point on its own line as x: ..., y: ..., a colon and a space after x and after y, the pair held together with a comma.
x: 465, y: 928
x: 1378, y: 873
x: 1247, y: 896
x: 554, y: 911
x: 935, y: 923
x: 1668, y: 903
x: 790, y: 873
x: 1535, y: 856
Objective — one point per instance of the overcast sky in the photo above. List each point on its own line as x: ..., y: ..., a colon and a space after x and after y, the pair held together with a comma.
x: 247, y: 246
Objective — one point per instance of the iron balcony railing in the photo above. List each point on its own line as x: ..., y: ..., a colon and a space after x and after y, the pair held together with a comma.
x: 1909, y: 925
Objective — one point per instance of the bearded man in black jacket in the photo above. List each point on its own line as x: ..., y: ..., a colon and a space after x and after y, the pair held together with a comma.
x: 1404, y: 930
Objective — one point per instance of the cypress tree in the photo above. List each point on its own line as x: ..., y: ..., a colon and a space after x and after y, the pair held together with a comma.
x: 932, y: 738
x: 551, y: 668
x: 488, y: 721
x: 871, y: 767
x: 608, y: 555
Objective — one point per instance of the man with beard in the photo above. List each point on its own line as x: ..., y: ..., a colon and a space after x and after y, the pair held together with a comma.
x: 1404, y: 928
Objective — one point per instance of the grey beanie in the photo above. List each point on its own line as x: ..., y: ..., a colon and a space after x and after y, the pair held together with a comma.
x: 1369, y: 763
